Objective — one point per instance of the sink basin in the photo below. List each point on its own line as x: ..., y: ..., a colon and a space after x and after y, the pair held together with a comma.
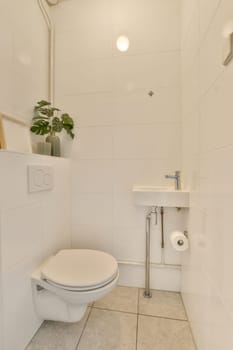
x: 160, y: 196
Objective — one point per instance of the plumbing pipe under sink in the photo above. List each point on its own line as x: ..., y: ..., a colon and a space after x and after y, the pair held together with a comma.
x: 153, y: 212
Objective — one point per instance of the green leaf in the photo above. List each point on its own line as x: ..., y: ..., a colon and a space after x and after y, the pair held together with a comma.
x: 42, y: 103
x: 44, y: 108
x: 70, y: 133
x: 57, y: 124
x: 40, y: 127
x: 68, y: 124
x: 46, y: 120
x: 40, y: 117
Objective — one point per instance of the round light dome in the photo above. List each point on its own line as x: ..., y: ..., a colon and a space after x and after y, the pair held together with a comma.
x: 122, y: 43
x: 52, y: 2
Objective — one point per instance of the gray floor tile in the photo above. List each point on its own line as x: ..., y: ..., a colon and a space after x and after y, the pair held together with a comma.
x: 120, y: 299
x: 163, y: 304
x: 58, y: 335
x: 163, y: 334
x: 109, y: 330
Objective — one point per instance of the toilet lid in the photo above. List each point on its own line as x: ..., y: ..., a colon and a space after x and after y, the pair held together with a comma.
x: 80, y: 269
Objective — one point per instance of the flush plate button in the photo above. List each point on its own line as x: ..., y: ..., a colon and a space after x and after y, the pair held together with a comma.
x: 40, y: 178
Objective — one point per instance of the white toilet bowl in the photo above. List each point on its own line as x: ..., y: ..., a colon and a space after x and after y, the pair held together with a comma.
x: 67, y: 282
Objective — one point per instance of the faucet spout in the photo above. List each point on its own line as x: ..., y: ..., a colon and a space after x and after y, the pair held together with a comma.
x: 176, y: 177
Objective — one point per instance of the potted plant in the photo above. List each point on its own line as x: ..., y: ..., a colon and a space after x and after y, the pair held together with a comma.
x: 48, y: 120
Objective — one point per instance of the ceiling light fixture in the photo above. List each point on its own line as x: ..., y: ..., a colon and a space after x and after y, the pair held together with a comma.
x: 122, y: 43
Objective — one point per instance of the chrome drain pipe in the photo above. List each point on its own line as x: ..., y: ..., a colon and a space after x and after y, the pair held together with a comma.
x: 153, y: 212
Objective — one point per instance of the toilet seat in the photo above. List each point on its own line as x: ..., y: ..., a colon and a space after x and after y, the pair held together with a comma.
x: 80, y: 269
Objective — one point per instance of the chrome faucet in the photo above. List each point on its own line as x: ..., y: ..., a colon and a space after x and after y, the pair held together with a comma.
x: 176, y: 177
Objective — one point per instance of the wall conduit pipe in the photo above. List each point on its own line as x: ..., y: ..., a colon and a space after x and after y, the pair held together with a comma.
x: 50, y: 50
x: 162, y: 227
x: 162, y: 236
x: 162, y: 264
x: 147, y: 292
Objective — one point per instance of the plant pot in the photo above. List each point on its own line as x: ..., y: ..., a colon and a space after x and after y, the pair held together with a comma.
x: 44, y: 148
x: 55, y: 145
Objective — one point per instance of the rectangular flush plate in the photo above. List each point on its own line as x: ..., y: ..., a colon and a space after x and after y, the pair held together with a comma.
x: 228, y: 50
x: 40, y: 178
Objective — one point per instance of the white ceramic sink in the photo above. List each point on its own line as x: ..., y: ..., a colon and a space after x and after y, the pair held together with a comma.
x: 160, y: 196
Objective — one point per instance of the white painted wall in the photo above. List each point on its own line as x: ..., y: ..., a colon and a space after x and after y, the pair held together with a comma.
x: 124, y: 137
x: 32, y: 227
x: 1, y: 299
x: 207, y: 285
x: 24, y: 57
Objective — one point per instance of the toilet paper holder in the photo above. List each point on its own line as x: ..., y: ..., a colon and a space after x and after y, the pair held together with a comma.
x: 181, y: 242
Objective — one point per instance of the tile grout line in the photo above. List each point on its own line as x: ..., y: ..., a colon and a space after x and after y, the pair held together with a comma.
x: 141, y: 314
x: 84, y: 327
x: 182, y: 301
x: 125, y: 312
x: 191, y: 331
x: 165, y: 318
x: 114, y: 310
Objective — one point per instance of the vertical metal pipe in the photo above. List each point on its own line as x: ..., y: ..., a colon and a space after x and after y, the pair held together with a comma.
x: 51, y: 66
x: 147, y: 292
x: 51, y: 51
x: 162, y: 227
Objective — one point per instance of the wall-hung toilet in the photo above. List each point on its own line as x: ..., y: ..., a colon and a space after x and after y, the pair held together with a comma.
x: 67, y: 282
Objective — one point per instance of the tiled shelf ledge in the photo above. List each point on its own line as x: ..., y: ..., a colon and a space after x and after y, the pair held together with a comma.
x: 32, y: 154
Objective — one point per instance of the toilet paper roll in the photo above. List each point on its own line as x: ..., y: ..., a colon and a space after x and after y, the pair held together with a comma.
x: 179, y: 241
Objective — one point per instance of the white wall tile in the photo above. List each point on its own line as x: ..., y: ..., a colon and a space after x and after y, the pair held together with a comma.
x: 216, y: 111
x: 125, y: 213
x: 145, y: 25
x: 93, y: 176
x: 207, y: 154
x: 23, y: 236
x: 146, y: 71
x: 163, y: 279
x: 128, y: 107
x: 190, y: 40
x: 33, y: 226
x: 220, y: 199
x: 94, y: 143
x: 24, y: 62
x: 92, y: 208
x: 1, y: 297
x: 129, y: 172
x: 147, y: 141
x: 207, y: 11
x: 79, y: 77
x: 95, y: 237
x: 124, y: 137
x: 191, y: 89
x: 138, y: 107
x: 92, y: 40
x: 92, y: 221
x: 191, y: 136
x: 24, y: 239
x: 123, y: 237
x: 6, y: 57
x: 23, y: 71
x: 18, y: 306
x: 89, y: 109
x: 174, y: 220
x: 211, y: 50
x: 85, y: 15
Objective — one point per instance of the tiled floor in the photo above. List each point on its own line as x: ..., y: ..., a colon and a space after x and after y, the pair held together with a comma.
x: 123, y: 320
